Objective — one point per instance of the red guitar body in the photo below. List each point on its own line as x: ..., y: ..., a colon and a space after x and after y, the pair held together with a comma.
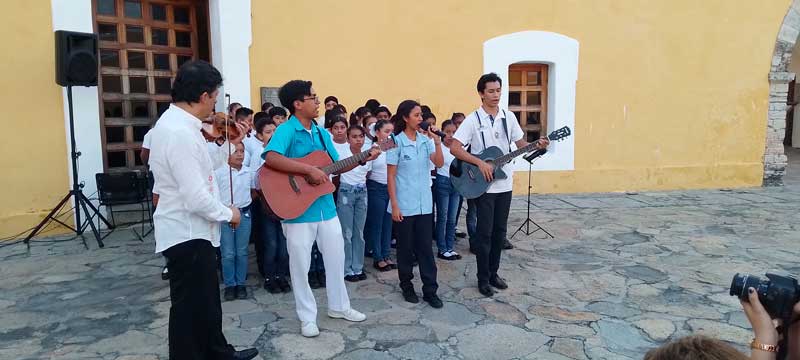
x: 290, y: 195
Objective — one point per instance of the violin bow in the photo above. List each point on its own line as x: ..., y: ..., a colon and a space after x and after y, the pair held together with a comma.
x: 227, y: 139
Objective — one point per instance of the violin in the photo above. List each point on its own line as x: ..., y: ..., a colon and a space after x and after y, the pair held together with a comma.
x: 217, y: 125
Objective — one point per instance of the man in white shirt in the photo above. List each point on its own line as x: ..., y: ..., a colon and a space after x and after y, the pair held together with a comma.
x: 188, y: 215
x: 486, y: 127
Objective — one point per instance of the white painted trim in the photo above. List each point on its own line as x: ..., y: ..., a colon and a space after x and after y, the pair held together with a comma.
x: 561, y: 53
x: 231, y: 37
x: 76, y: 15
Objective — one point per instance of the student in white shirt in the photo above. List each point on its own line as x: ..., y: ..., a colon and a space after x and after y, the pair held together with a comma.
x: 271, y: 243
x: 234, y: 241
x: 188, y: 215
x: 278, y: 115
x: 352, y: 207
x: 378, y: 228
x: 447, y: 200
x: 486, y: 127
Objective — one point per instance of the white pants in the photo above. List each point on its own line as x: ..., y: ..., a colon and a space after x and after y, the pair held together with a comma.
x: 299, y: 240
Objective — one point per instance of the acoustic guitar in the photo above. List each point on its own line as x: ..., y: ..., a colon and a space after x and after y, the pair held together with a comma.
x: 289, y: 195
x: 468, y: 179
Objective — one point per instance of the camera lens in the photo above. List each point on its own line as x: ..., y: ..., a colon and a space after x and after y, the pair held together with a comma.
x: 740, y: 284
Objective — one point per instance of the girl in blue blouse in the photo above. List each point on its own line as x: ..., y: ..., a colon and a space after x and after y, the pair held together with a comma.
x: 411, y: 199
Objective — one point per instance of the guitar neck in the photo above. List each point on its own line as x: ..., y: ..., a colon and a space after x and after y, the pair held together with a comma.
x: 346, y: 163
x: 510, y: 156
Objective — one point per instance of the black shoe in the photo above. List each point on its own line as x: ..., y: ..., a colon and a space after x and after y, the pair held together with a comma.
x: 393, y: 245
x: 313, y: 280
x: 321, y: 278
x: 351, y: 278
x: 473, y: 251
x: 165, y: 273
x: 272, y: 286
x: 461, y: 234
x: 362, y: 276
x: 230, y: 293
x: 485, y: 289
x: 507, y: 245
x: 433, y: 301
x: 241, y: 292
x: 498, y: 282
x: 245, y: 354
x: 410, y: 296
x: 283, y: 284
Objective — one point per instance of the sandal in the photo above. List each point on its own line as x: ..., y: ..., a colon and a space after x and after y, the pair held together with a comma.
x: 383, y: 268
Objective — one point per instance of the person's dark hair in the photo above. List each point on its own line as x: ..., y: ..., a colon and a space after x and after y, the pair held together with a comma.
x: 266, y: 106
x: 487, y: 78
x: 260, y: 115
x: 341, y: 108
x: 330, y: 98
x: 243, y: 112
x: 193, y: 79
x: 294, y: 90
x: 403, y: 111
x: 263, y: 121
x: 354, y: 128
x: 695, y: 347
x: 380, y: 124
x: 364, y: 120
x: 457, y: 114
x: 337, y: 119
x: 233, y: 105
x: 275, y: 111
x: 359, y: 114
x: 447, y: 123
x: 428, y: 115
x: 381, y: 109
x: 425, y: 109
x: 372, y: 105
x: 332, y: 114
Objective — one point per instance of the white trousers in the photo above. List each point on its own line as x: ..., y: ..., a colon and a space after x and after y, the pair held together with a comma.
x: 300, y: 238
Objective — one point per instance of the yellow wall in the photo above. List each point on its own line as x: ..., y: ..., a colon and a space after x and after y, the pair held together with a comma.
x: 671, y: 94
x: 34, y: 161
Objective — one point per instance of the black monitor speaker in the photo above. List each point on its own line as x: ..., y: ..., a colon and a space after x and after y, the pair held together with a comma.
x: 76, y: 58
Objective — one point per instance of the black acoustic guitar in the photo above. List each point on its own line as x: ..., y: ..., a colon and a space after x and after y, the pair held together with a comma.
x: 468, y: 178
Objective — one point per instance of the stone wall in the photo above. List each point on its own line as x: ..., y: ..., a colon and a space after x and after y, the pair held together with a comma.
x: 779, y: 78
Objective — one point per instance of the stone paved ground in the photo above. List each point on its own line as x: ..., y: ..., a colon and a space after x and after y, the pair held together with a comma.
x: 624, y: 273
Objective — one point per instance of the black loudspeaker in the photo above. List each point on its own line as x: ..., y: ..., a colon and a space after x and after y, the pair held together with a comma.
x: 76, y: 58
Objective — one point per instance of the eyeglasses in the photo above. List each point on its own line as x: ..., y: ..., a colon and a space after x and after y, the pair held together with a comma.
x: 314, y: 98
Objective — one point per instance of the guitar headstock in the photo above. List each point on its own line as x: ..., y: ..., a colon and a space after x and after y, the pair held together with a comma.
x: 560, y: 134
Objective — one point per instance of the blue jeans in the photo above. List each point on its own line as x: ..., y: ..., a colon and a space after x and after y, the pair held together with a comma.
x: 447, y: 200
x: 352, y: 209
x: 233, y: 246
x: 275, y: 255
x: 378, y: 228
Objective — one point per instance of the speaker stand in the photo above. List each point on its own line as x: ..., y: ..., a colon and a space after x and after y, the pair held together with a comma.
x: 82, y: 203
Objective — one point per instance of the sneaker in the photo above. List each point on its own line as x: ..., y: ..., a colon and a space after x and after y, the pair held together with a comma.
x: 456, y: 255
x: 309, y: 329
x: 313, y: 280
x: 349, y: 315
x: 321, y: 278
x: 230, y: 293
x: 362, y: 276
x: 284, y: 285
x: 351, y: 278
x: 433, y: 301
x: 241, y: 292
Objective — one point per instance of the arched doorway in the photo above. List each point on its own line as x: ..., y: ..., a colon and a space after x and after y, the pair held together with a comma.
x: 780, y: 76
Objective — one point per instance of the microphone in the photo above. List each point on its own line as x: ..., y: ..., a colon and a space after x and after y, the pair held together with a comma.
x: 425, y: 125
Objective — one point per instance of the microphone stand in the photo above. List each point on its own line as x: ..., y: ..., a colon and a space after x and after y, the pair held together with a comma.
x: 525, y: 227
